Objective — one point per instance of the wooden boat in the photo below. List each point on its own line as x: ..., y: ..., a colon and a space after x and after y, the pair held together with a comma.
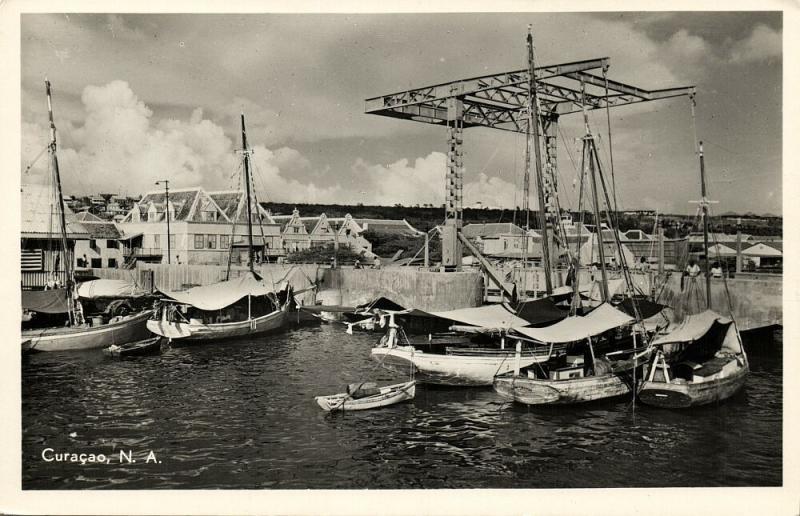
x: 139, y: 348
x: 196, y: 330
x: 239, y: 307
x: 460, y: 365
x: 71, y: 338
x: 711, y: 369
x: 712, y: 364
x: 581, y: 380
x: 63, y: 304
x: 385, y: 396
x: 459, y: 369
x: 558, y: 392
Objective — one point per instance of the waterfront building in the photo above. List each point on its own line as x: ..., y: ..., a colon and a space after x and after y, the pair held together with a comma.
x: 102, y: 248
x: 206, y: 228
x: 300, y: 233
x: 40, y: 238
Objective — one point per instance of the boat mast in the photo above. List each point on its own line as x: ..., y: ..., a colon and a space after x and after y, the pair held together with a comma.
x: 704, y: 204
x: 247, y: 188
x: 61, y: 211
x: 533, y: 123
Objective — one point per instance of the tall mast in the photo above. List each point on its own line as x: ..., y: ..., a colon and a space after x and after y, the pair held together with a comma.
x: 589, y: 147
x: 59, y: 194
x: 247, y: 187
x: 533, y: 123
x: 704, y: 204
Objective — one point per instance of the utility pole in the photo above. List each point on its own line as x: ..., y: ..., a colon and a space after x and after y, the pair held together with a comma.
x: 166, y: 213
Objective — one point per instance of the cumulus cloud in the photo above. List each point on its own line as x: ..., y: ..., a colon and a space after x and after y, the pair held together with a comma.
x: 762, y: 43
x: 120, y: 147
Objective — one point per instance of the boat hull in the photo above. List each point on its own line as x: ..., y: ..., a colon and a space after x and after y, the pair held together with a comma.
x: 388, y: 395
x: 454, y: 370
x: 134, y: 349
x: 531, y: 391
x: 189, y: 332
x: 130, y: 329
x: 691, y: 394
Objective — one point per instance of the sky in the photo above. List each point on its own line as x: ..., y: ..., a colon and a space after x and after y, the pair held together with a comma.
x: 144, y: 97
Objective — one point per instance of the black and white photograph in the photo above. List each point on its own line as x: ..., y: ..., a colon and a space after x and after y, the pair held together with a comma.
x: 439, y: 252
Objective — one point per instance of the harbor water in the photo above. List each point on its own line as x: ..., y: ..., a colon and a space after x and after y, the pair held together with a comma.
x: 242, y: 415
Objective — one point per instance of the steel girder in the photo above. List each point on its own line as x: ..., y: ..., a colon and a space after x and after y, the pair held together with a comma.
x: 499, y: 101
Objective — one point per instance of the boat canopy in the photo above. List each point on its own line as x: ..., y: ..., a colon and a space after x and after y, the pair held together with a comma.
x: 692, y: 328
x: 45, y: 301
x: 109, y: 288
x: 646, y: 307
x: 489, y: 316
x: 220, y: 295
x: 601, y: 319
x: 540, y: 311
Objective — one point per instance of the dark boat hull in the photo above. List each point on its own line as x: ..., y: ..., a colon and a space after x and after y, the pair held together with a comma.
x: 692, y: 394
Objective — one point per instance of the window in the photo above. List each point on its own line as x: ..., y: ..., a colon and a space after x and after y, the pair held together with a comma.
x: 199, y: 242
x: 97, y: 263
x: 172, y: 241
x: 224, y: 242
x: 296, y: 230
x: 112, y: 263
x: 92, y: 243
x: 157, y: 241
x: 212, y: 242
x: 111, y: 244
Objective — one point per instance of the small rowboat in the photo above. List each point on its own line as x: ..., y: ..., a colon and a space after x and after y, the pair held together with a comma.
x: 131, y: 349
x: 388, y: 395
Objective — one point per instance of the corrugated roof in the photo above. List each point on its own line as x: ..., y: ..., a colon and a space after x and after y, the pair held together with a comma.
x: 38, y: 215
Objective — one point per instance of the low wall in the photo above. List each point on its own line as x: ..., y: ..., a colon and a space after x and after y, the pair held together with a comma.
x: 179, y: 277
x: 754, y: 302
x: 430, y: 291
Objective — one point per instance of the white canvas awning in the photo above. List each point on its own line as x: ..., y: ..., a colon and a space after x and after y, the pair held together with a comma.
x: 109, y: 288
x: 489, y: 316
x: 222, y: 294
x: 572, y: 329
x: 692, y: 328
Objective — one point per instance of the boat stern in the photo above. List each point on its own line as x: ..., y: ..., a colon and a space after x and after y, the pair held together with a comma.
x: 659, y: 394
x: 170, y: 330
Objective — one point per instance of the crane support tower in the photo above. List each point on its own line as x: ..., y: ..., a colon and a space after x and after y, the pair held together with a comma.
x: 500, y: 101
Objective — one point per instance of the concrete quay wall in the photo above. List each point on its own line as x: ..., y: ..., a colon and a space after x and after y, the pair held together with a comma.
x: 409, y: 287
x: 755, y: 302
x: 425, y: 290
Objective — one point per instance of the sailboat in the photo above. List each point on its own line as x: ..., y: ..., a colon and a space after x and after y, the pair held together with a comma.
x: 239, y: 307
x: 77, y: 333
x: 712, y: 364
x: 602, y: 357
x: 481, y: 348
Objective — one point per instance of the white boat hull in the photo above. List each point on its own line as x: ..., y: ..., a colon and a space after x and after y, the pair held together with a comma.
x: 193, y: 332
x: 388, y: 395
x: 129, y: 329
x: 457, y: 370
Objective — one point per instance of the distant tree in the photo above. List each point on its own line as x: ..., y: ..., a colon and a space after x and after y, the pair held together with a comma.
x: 323, y: 255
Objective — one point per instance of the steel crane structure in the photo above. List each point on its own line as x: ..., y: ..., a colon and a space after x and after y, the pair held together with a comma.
x: 501, y: 101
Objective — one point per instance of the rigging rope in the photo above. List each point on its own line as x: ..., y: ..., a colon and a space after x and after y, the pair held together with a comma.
x: 610, y: 147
